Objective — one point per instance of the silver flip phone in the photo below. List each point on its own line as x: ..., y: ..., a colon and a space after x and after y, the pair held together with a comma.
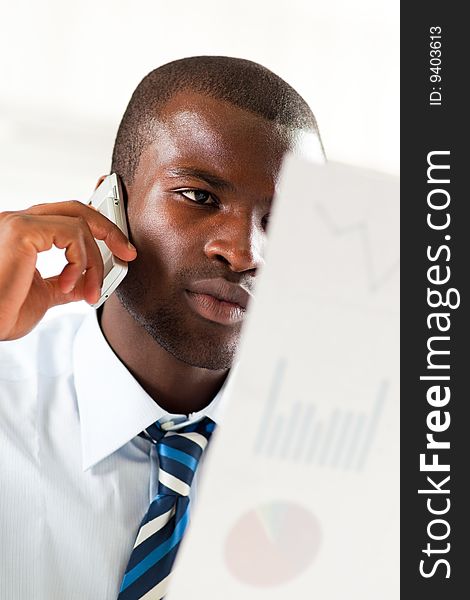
x: 108, y: 200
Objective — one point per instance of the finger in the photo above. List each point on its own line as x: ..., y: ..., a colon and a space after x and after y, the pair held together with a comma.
x: 94, y: 267
x: 82, y: 254
x: 76, y: 255
x: 101, y: 227
x: 93, y: 282
x: 56, y: 294
x: 27, y: 235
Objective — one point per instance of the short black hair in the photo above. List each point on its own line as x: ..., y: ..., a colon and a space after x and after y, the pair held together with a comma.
x: 244, y: 83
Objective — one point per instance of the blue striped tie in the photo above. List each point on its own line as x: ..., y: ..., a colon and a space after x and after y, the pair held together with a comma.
x: 148, y: 571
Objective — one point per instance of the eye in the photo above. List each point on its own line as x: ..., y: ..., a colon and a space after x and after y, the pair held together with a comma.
x: 199, y: 196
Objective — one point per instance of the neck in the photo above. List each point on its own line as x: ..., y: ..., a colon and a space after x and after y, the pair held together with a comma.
x: 176, y: 386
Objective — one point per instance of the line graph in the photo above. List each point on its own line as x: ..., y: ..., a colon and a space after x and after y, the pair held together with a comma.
x: 360, y: 229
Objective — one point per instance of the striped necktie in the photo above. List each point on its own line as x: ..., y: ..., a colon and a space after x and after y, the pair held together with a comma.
x: 148, y: 571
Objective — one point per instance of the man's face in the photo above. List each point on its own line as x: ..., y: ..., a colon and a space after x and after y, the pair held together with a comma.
x: 198, y: 209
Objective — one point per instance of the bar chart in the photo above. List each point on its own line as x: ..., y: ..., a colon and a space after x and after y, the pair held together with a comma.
x: 341, y: 439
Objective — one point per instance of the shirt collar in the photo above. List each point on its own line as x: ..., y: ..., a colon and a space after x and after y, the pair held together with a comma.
x: 113, y: 407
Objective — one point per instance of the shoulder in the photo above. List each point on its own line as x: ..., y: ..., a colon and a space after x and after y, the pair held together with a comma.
x: 46, y: 350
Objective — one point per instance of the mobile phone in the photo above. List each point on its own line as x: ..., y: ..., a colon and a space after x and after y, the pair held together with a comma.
x: 108, y: 200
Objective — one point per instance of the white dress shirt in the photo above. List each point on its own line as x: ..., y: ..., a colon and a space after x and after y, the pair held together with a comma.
x: 75, y: 477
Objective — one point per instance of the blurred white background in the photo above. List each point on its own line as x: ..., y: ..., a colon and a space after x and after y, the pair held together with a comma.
x: 69, y: 69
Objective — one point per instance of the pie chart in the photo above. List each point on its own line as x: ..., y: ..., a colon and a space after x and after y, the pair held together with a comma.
x: 272, y: 544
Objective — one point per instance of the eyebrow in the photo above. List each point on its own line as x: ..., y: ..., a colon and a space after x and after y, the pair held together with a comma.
x: 213, y: 180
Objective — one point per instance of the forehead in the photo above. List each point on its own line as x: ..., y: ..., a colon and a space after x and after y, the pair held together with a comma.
x: 199, y: 131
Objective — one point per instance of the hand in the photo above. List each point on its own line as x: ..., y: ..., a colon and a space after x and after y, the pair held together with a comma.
x: 24, y: 295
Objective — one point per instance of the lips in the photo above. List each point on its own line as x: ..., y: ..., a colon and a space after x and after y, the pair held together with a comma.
x: 218, y: 300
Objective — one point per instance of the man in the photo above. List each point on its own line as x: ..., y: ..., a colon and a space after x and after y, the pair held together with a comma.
x: 198, y: 152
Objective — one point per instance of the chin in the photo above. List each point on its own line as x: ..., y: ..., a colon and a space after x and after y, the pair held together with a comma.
x: 204, y: 345
x: 197, y: 352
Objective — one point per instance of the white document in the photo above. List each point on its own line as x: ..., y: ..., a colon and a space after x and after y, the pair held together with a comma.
x: 300, y: 494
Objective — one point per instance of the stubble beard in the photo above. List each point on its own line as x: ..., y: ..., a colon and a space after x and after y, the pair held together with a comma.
x: 165, y: 324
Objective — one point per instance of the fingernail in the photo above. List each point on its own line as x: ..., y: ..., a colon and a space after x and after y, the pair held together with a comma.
x: 70, y: 288
x: 131, y: 247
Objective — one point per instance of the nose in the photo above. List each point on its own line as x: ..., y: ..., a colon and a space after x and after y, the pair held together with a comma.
x: 236, y: 241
